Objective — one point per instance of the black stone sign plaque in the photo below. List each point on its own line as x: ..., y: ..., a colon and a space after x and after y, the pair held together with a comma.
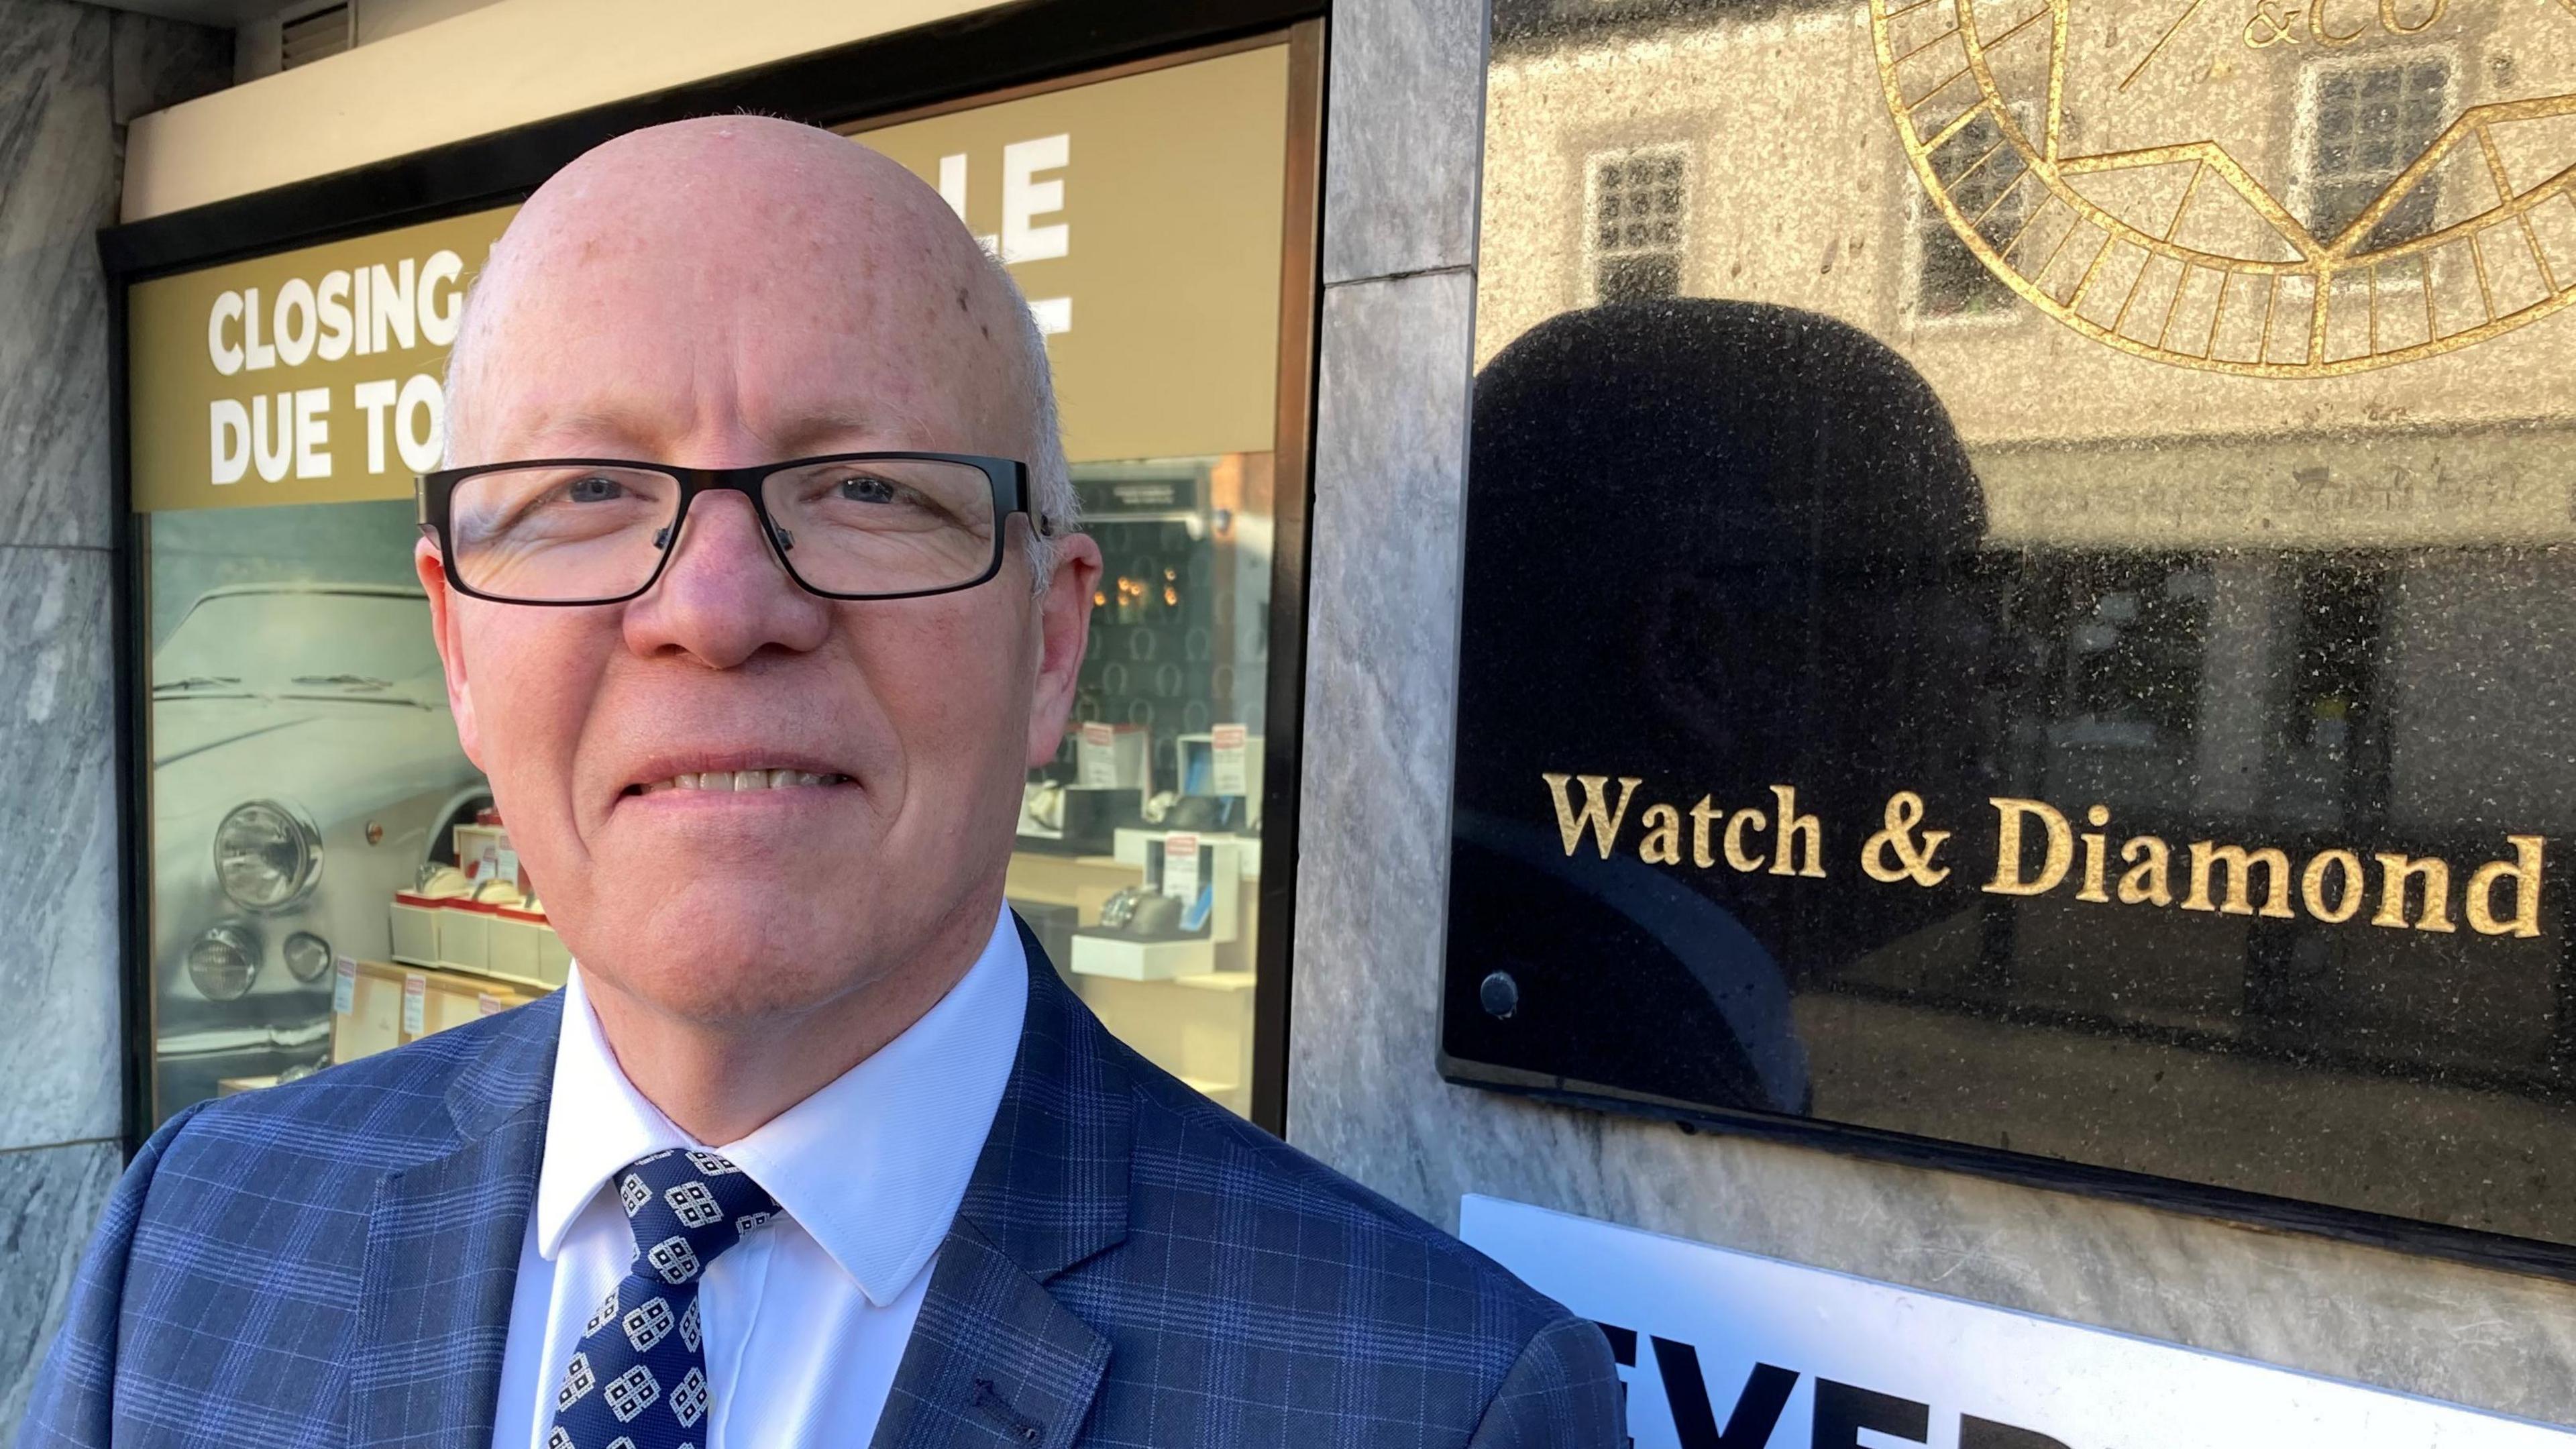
x: 1789, y: 796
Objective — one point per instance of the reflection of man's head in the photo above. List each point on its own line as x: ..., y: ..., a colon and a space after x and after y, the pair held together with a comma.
x: 1725, y: 546
x: 806, y: 792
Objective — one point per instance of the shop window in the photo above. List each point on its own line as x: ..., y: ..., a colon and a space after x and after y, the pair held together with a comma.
x: 1640, y: 223
x: 2366, y: 122
x: 328, y: 874
x: 1139, y: 859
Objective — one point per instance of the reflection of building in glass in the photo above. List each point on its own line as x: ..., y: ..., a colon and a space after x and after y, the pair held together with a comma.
x: 2327, y: 599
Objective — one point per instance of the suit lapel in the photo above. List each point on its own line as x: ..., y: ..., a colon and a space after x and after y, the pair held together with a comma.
x: 994, y: 1358
x: 443, y: 1240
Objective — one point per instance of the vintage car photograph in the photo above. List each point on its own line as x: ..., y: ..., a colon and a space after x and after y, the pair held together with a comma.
x: 304, y: 768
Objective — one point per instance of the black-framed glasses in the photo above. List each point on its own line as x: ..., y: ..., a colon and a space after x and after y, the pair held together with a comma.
x: 844, y: 525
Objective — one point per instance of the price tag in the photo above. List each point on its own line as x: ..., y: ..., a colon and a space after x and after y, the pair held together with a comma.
x: 1227, y: 769
x: 1181, y: 857
x: 1096, y: 757
x: 508, y: 865
x: 488, y: 1004
x: 415, y: 1013
x: 344, y: 986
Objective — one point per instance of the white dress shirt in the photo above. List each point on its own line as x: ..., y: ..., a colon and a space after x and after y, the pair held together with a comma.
x: 805, y: 1318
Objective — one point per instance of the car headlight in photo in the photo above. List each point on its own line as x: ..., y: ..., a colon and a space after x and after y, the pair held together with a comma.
x: 267, y: 856
x: 308, y: 956
x: 225, y: 960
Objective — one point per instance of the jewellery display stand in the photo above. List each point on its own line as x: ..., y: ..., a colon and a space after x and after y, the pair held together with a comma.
x: 1130, y: 951
x: 466, y: 942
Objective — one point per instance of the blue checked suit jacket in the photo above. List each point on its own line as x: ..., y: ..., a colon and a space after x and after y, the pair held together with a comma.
x: 330, y: 1263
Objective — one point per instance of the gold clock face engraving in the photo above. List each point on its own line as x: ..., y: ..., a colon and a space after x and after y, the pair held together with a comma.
x: 2276, y: 188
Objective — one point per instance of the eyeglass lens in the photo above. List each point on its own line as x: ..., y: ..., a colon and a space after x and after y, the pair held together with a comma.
x: 559, y: 534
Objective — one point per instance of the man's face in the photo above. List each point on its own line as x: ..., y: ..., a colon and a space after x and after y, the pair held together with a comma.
x: 716, y: 295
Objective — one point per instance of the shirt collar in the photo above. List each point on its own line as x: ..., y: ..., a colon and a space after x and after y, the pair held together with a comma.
x: 872, y: 1165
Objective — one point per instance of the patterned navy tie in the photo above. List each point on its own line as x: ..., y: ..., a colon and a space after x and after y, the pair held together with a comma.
x: 638, y: 1380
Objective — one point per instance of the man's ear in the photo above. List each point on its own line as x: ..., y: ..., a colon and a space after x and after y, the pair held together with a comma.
x: 451, y: 651
x: 1064, y: 621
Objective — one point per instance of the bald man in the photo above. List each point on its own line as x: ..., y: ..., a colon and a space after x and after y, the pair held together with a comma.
x: 756, y: 582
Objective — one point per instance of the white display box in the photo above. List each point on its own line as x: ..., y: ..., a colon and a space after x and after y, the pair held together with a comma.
x: 517, y: 945
x: 465, y: 936
x: 1127, y: 845
x: 1205, y: 744
x: 1114, y: 757
x: 1129, y: 959
x: 415, y: 929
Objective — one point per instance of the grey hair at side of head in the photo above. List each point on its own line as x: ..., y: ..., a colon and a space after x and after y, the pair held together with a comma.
x: 1050, y: 476
x: 1051, y: 494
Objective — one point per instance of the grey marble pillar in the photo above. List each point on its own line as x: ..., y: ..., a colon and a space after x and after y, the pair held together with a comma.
x: 1391, y: 416
x: 71, y: 75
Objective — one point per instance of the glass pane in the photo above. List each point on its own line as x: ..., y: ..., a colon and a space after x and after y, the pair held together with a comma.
x: 886, y: 526
x: 304, y: 769
x: 2034, y: 646
x: 1139, y: 859
x: 560, y: 533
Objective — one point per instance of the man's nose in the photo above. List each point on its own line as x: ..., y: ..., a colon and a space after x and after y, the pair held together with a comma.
x: 724, y: 597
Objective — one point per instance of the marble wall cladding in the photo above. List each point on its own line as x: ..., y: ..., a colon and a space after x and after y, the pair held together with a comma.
x: 58, y: 960
x: 158, y: 63
x: 58, y: 185
x: 1364, y: 1093
x: 1405, y: 139
x: 48, y: 1196
x: 1382, y: 638
x: 70, y: 76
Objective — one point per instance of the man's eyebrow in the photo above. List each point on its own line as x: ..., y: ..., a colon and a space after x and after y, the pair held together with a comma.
x: 595, y: 430
x: 849, y: 429
x: 613, y: 429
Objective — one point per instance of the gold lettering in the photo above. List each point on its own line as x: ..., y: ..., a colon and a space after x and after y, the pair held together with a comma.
x: 2205, y: 857
x: 2094, y: 844
x: 2149, y: 881
x: 1913, y: 861
x: 1735, y: 854
x: 2395, y: 873
x: 2524, y: 871
x: 1794, y: 828
x: 2312, y: 886
x: 2008, y: 879
x: 1663, y: 843
x: 1596, y: 816
x: 1703, y: 815
x: 2264, y: 28
x: 2326, y: 36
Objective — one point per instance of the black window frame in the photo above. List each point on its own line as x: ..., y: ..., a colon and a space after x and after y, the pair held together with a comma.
x: 978, y: 57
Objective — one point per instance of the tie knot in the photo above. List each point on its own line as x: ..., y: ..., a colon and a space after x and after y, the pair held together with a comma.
x: 686, y: 1208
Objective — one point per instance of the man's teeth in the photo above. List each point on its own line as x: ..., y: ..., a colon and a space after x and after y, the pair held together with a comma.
x: 745, y: 780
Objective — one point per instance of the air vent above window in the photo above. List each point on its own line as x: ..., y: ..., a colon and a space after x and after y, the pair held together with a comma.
x: 309, y: 37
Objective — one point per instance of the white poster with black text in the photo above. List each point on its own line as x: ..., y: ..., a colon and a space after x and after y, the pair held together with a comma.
x: 1727, y: 1350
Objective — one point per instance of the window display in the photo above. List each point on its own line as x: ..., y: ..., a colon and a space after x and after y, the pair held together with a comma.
x: 329, y: 876
x: 304, y: 770
x: 2047, y: 655
x: 1140, y: 846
